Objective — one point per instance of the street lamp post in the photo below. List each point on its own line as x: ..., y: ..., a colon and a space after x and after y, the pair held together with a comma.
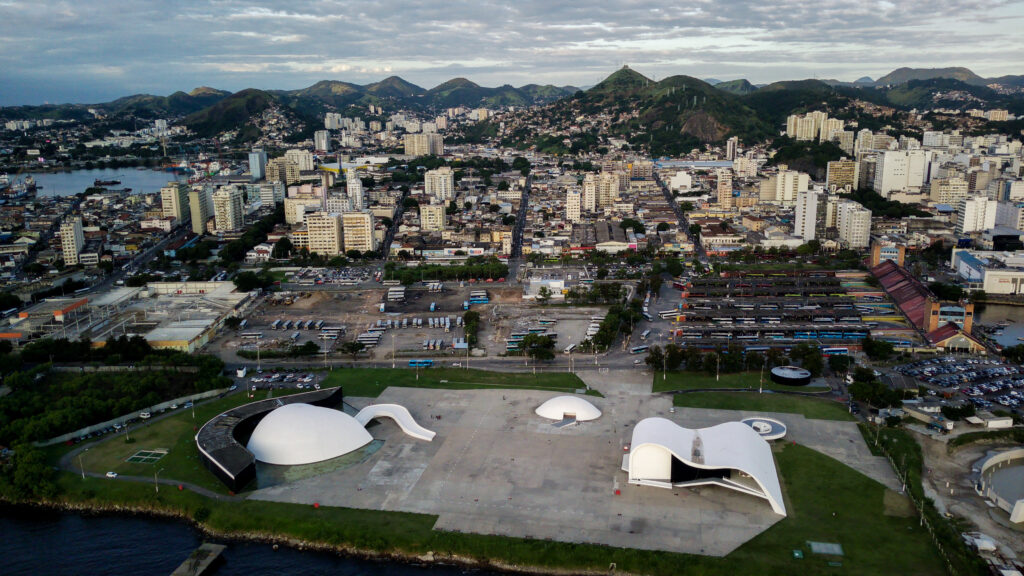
x: 392, y: 351
x: 156, y: 484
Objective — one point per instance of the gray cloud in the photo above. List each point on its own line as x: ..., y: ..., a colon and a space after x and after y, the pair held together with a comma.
x: 91, y: 50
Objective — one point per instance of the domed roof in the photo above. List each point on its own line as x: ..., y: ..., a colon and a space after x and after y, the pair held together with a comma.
x: 558, y: 407
x: 302, y: 434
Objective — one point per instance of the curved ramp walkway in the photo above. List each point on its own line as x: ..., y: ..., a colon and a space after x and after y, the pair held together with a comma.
x: 401, y: 416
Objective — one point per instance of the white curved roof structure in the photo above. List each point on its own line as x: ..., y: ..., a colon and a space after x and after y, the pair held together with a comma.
x: 302, y: 434
x: 562, y: 407
x: 401, y: 416
x: 731, y: 455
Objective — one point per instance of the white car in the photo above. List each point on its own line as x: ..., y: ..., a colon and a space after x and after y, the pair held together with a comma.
x: 145, y: 415
x: 111, y: 474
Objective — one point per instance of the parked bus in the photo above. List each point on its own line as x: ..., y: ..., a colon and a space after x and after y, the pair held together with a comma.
x: 638, y: 349
x: 645, y: 334
x: 421, y: 363
x: 243, y: 324
x: 251, y: 335
x: 570, y: 348
x: 837, y: 351
x: 275, y: 325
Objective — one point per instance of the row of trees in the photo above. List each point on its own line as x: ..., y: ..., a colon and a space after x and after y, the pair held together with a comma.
x: 726, y: 360
x: 235, y: 250
x: 475, y: 267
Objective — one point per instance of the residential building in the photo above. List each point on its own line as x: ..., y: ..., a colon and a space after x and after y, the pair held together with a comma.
x: 323, y: 233
x: 322, y: 140
x: 258, y: 164
x: 725, y: 189
x: 174, y: 202
x: 900, y: 171
x: 358, y: 231
x: 975, y: 214
x: 783, y: 187
x: 432, y: 217
x: 854, y: 224
x: 271, y: 194
x: 948, y: 190
x: 842, y: 175
x: 424, y: 144
x: 72, y: 240
x: 1010, y: 215
x: 440, y: 183
x: 588, y: 198
x: 301, y: 158
x: 228, y: 209
x: 200, y: 204
x: 810, y: 215
x: 354, y: 188
x: 730, y: 147
x: 573, y: 203
x: 282, y: 170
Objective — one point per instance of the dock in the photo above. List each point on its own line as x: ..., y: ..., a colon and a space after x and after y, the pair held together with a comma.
x: 200, y: 561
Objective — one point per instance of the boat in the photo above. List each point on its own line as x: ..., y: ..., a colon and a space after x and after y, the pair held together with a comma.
x: 99, y: 182
x: 1021, y: 338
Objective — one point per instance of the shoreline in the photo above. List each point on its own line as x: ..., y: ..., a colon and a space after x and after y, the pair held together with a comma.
x: 294, y: 543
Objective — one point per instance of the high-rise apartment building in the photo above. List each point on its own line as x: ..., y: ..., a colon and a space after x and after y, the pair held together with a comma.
x: 725, y: 189
x: 271, y: 194
x: 588, y: 199
x: 323, y: 232
x: 228, y: 209
x: 282, y: 170
x: 900, y: 171
x: 301, y: 158
x: 842, y: 174
x: 730, y: 148
x: 174, y: 203
x: 357, y: 228
x: 948, y: 190
x: 354, y: 188
x: 607, y: 189
x: 783, y: 186
x: 200, y: 203
x: 573, y: 203
x: 975, y: 215
x: 810, y: 215
x: 322, y: 140
x: 1010, y: 214
x: 258, y: 164
x: 424, y: 144
x: 854, y: 224
x: 432, y: 217
x: 440, y: 183
x: 830, y: 129
x: 72, y: 240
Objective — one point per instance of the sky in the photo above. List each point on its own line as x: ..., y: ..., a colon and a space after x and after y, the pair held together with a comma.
x: 91, y: 51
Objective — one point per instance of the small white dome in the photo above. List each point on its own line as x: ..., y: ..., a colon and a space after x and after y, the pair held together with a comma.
x: 559, y: 407
x: 302, y: 434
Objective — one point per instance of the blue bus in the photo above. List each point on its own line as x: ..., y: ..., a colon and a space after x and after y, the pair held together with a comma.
x: 837, y: 351
x: 638, y: 349
x: 420, y: 363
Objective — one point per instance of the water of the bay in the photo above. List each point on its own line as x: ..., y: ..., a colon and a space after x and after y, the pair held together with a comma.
x: 76, y: 181
x: 54, y: 543
x: 1012, y: 334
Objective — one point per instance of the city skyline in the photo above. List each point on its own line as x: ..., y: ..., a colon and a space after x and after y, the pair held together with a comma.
x: 91, y: 52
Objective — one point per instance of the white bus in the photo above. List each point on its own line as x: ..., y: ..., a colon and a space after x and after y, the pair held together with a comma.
x: 570, y: 348
x: 645, y: 334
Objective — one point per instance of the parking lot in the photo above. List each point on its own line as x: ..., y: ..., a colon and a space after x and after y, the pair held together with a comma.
x: 986, y: 383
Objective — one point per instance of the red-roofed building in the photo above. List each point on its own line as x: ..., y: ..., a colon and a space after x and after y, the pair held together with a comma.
x: 950, y: 338
x: 917, y: 302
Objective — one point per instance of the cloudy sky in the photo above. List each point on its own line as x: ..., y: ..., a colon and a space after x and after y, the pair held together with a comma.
x: 96, y: 50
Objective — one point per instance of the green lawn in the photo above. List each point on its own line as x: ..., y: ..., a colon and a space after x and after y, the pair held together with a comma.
x: 701, y: 380
x: 815, y: 487
x: 370, y: 382
x: 176, y: 435
x: 752, y: 401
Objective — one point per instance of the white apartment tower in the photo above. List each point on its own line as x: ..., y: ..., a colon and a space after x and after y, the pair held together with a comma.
x: 228, y: 209
x: 200, y: 204
x: 322, y: 140
x: 854, y: 223
x: 976, y: 214
x: 357, y: 228
x: 174, y: 202
x: 440, y: 183
x: 810, y: 214
x: 573, y: 203
x: 72, y: 240
x: 258, y: 164
x: 301, y: 158
x: 783, y: 187
x: 424, y: 144
x: 900, y: 171
x: 324, y: 233
x: 354, y: 188
x: 730, y: 147
x: 588, y: 199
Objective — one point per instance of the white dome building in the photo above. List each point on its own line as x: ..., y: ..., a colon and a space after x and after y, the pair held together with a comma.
x: 568, y: 407
x: 302, y: 434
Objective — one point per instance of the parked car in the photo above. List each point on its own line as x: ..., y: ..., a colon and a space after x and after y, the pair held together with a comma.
x: 111, y: 474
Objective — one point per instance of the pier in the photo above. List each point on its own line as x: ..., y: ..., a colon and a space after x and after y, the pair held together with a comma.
x: 200, y: 561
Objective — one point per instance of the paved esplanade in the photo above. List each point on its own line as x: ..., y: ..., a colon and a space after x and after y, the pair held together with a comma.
x: 495, y: 467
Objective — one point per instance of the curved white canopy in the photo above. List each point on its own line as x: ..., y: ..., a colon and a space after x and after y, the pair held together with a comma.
x: 728, y: 446
x: 559, y: 407
x: 302, y: 434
